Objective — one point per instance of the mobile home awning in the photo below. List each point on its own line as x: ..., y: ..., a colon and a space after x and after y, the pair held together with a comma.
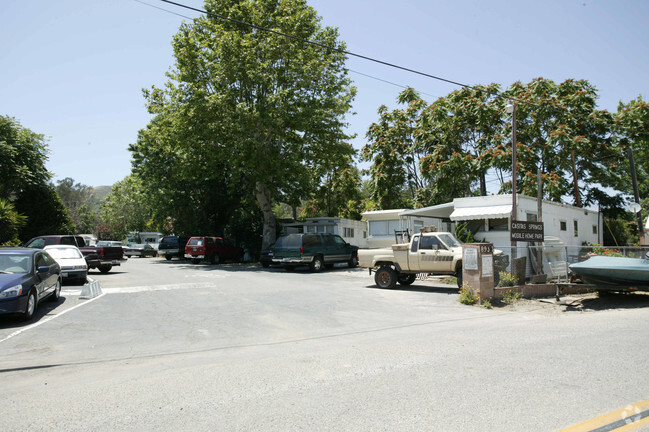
x: 486, y: 212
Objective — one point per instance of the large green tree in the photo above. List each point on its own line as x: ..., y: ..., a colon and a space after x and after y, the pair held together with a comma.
x: 127, y: 208
x: 31, y: 204
x: 560, y: 131
x: 460, y: 137
x: 23, y: 154
x: 395, y: 175
x: 267, y: 108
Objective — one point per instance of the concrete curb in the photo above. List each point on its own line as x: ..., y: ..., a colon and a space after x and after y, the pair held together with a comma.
x: 91, y: 289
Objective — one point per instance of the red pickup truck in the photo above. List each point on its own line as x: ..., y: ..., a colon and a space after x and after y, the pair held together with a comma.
x: 102, y: 258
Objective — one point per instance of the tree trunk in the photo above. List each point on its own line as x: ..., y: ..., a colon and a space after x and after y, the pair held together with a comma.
x: 263, y: 199
x: 575, y: 181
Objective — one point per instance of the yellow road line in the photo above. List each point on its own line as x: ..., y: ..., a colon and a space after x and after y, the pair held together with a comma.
x: 629, y: 418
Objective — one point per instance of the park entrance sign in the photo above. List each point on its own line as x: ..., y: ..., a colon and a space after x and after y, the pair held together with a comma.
x: 526, y: 231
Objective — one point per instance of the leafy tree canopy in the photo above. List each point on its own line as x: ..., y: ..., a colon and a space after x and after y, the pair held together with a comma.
x: 260, y: 110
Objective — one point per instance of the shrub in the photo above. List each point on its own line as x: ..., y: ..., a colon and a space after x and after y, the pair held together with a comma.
x: 511, y: 297
x: 506, y: 279
x: 467, y: 295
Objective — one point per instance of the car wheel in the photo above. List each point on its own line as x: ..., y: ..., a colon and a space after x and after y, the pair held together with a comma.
x: 195, y: 260
x: 353, y: 261
x: 406, y: 279
x: 317, y: 264
x: 265, y: 265
x: 56, y: 295
x: 385, y: 277
x: 128, y: 256
x: 105, y: 268
x: 168, y: 257
x: 31, y: 306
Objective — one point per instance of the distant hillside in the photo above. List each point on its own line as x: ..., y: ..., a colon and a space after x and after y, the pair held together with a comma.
x: 99, y: 195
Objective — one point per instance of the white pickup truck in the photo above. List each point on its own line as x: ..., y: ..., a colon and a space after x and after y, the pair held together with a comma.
x: 437, y: 253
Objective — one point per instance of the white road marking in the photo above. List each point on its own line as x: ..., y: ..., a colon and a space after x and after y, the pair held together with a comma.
x: 48, y: 319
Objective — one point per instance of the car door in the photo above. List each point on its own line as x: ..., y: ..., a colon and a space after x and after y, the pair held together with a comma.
x: 46, y: 282
x: 413, y: 253
x: 433, y: 254
x: 341, y: 251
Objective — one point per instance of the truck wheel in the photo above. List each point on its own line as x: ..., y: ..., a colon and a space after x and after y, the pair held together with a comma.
x: 168, y: 257
x: 407, y: 279
x: 105, y: 268
x: 458, y: 276
x: 353, y: 261
x: 317, y: 264
x: 385, y: 277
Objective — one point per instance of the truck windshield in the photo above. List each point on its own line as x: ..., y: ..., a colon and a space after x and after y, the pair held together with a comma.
x: 450, y: 240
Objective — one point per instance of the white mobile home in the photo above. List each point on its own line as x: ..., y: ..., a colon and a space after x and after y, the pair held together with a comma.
x: 488, y: 217
x: 382, y: 225
x: 352, y: 231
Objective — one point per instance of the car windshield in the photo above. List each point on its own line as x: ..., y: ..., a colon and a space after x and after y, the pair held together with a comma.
x: 10, y: 263
x: 64, y: 253
x: 450, y: 240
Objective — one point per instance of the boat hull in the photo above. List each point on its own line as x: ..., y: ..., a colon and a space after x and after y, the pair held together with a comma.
x: 617, y: 271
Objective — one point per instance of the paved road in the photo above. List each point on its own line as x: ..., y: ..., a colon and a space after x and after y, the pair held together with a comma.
x: 174, y: 346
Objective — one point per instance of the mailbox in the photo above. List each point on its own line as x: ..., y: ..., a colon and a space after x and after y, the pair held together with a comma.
x: 478, y: 268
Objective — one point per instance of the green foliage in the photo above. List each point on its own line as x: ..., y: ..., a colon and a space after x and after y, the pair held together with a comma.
x: 127, y: 208
x: 396, y: 179
x: 245, y: 113
x: 45, y: 212
x: 511, y: 297
x: 77, y: 198
x: 487, y: 304
x: 10, y: 223
x: 23, y: 154
x: 468, y: 296
x: 337, y: 194
x: 506, y: 279
x: 461, y: 133
x: 598, y: 250
x: 463, y: 233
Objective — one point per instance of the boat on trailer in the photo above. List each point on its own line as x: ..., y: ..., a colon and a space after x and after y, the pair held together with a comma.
x: 614, y: 273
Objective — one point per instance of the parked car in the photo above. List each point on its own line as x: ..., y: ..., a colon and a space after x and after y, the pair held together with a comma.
x: 103, y: 258
x: 73, y: 264
x: 140, y: 250
x: 172, y: 246
x: 314, y: 250
x: 213, y: 249
x: 266, y: 258
x: 27, y: 276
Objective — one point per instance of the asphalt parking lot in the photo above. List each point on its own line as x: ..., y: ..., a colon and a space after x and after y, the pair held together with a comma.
x: 171, y: 345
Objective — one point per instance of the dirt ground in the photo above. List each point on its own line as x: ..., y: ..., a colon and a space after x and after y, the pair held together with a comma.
x: 583, y: 303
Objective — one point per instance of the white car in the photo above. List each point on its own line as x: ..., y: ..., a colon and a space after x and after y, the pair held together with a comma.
x: 73, y: 264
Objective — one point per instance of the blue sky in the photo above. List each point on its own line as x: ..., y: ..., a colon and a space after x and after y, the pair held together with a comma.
x: 73, y: 70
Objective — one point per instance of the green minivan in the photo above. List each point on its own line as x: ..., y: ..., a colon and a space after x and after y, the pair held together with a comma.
x: 315, y: 250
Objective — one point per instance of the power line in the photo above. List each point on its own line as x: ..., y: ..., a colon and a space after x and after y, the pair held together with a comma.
x: 374, y: 60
